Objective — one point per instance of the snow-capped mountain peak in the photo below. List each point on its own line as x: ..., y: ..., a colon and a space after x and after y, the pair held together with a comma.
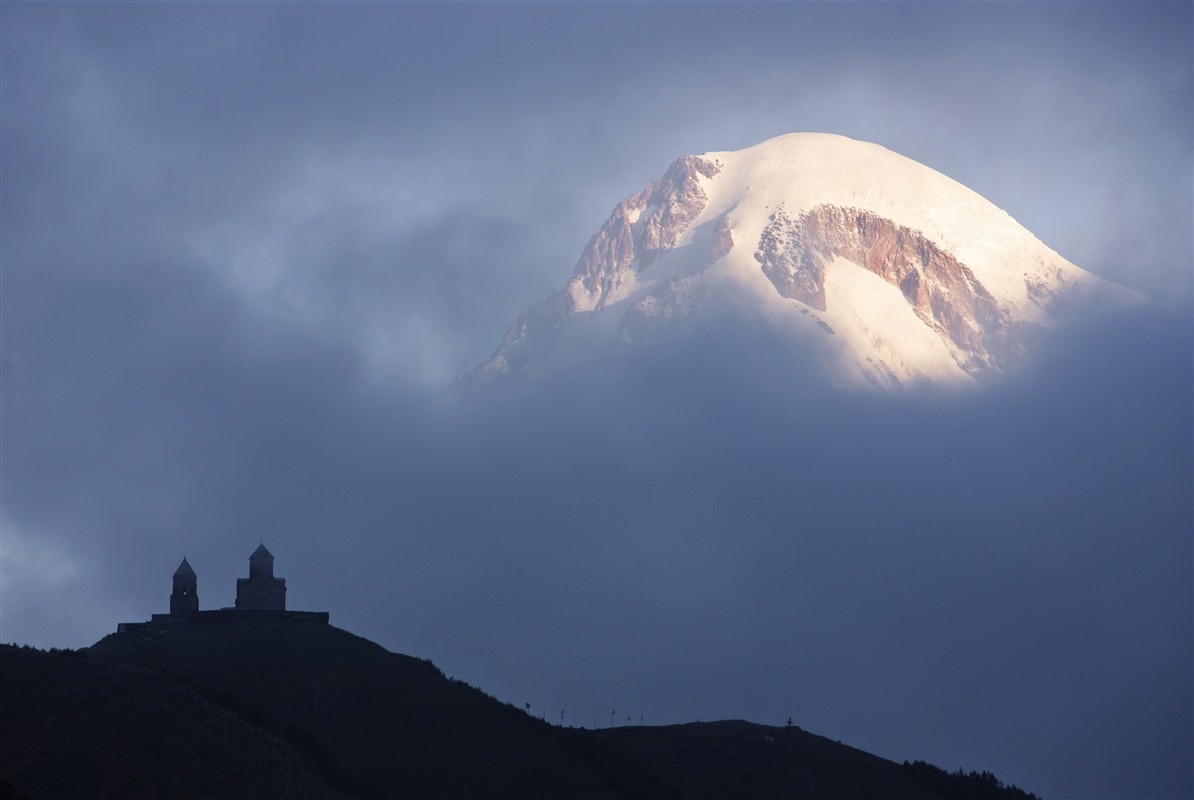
x: 893, y: 273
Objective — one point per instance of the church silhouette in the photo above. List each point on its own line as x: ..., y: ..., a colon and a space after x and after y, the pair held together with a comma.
x: 261, y: 595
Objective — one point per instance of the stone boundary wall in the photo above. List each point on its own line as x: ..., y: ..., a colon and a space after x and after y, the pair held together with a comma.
x: 225, y: 615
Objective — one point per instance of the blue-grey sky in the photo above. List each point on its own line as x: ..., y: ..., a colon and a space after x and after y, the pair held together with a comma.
x: 246, y: 244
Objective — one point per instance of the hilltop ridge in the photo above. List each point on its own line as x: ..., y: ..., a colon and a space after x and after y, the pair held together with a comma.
x: 340, y: 716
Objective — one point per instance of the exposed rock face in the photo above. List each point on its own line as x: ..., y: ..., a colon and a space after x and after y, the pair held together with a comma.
x: 787, y: 260
x: 942, y: 291
x: 723, y: 239
x: 642, y: 227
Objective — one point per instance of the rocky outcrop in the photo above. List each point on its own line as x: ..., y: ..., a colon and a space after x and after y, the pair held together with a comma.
x: 942, y: 291
x: 642, y: 227
x: 723, y: 239
x: 790, y: 263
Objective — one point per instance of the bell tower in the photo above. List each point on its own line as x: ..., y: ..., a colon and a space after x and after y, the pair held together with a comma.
x: 184, y: 599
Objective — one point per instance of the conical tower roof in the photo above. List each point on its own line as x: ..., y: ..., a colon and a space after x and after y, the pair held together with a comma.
x: 184, y: 570
x: 261, y: 552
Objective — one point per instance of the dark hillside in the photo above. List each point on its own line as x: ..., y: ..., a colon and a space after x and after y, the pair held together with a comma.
x: 265, y: 706
x: 77, y: 727
x: 733, y: 758
x: 375, y: 723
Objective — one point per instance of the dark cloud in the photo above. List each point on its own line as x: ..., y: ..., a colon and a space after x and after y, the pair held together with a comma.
x: 711, y: 539
x: 244, y: 245
x: 998, y: 581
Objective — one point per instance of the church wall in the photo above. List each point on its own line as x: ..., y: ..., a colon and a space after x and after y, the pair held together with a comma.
x: 261, y: 592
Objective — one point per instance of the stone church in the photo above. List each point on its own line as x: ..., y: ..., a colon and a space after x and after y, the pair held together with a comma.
x: 259, y: 595
x: 261, y: 590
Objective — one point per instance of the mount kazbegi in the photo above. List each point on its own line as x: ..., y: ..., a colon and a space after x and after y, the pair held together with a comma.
x: 882, y: 271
